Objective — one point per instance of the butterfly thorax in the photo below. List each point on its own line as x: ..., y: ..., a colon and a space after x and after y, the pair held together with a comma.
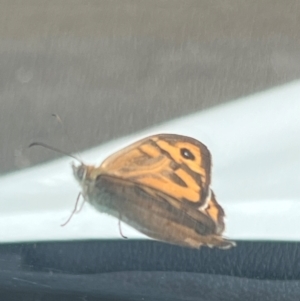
x: 88, y: 176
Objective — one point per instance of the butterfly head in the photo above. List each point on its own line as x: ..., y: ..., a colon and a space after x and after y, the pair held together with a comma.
x: 80, y: 172
x: 85, y: 174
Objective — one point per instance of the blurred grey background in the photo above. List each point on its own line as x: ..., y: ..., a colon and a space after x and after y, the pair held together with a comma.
x: 110, y: 68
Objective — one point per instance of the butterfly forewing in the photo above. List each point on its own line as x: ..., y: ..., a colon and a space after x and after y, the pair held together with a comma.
x: 158, y: 162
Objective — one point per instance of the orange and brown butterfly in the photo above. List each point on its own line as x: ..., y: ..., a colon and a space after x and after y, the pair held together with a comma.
x: 160, y: 186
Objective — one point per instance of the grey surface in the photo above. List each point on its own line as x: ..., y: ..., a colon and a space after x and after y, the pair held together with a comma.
x: 110, y: 68
x: 138, y: 286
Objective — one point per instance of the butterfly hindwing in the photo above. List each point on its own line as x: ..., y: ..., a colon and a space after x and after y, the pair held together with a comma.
x: 156, y: 214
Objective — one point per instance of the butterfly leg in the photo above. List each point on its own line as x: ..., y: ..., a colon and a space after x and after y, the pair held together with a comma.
x: 81, y: 206
x: 120, y: 229
x: 74, y: 210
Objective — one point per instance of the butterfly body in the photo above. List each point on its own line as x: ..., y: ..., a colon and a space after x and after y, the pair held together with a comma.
x: 160, y: 186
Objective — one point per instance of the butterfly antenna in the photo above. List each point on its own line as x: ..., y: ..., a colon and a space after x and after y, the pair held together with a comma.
x: 54, y: 149
x: 74, y: 210
x: 58, y: 119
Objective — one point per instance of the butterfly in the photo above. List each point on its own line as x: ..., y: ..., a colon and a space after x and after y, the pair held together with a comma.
x: 159, y: 185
